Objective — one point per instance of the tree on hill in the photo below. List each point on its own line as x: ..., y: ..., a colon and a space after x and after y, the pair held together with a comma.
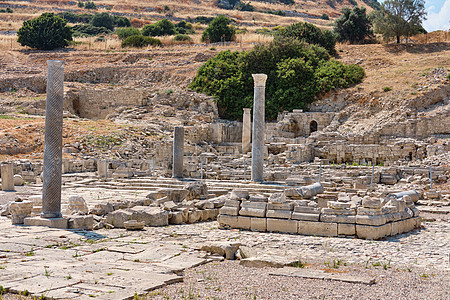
x: 399, y: 18
x: 46, y: 32
x: 219, y: 29
x: 310, y: 34
x: 353, y: 25
x: 162, y: 27
x: 103, y: 20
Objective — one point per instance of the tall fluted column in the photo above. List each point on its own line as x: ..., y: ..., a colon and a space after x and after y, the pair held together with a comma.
x: 258, y: 127
x: 246, y: 131
x: 51, y: 187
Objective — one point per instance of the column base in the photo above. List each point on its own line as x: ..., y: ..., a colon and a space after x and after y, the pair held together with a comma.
x: 51, y: 215
x: 61, y: 223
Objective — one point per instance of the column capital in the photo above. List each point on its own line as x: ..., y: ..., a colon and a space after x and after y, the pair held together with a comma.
x: 259, y: 79
x: 247, y: 110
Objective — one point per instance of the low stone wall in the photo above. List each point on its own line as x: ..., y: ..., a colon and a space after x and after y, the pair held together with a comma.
x: 289, y: 212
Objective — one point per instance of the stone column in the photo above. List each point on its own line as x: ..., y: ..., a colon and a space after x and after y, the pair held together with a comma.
x: 258, y: 127
x: 178, y: 152
x: 51, y: 187
x: 7, y: 177
x: 246, y: 131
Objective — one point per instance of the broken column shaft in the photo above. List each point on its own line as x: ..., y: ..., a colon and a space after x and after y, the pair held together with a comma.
x: 7, y: 177
x: 258, y: 127
x: 51, y: 187
x: 246, y: 131
x: 178, y: 152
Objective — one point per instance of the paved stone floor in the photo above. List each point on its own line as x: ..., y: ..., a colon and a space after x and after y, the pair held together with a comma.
x: 82, y: 264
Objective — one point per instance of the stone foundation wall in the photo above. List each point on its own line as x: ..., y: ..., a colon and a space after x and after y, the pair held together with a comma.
x: 365, y: 218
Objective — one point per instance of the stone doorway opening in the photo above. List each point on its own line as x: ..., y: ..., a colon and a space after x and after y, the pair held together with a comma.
x: 312, y: 126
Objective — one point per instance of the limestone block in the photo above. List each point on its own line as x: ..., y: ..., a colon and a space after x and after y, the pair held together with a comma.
x: 36, y: 199
x: 209, y: 214
x: 279, y: 214
x: 369, y: 211
x: 292, y: 193
x: 81, y: 222
x: 225, y: 220
x: 256, y: 205
x: 343, y: 212
x: 77, y: 205
x: 102, y: 209
x: 280, y: 225
x: 277, y: 198
x: 177, y: 217
x: 196, y: 190
x: 337, y: 218
x: 225, y: 249
x: 371, y: 220
x: 371, y: 202
x: 239, y: 194
x: 134, y: 225
x: 252, y: 212
x: 118, y: 217
x: 317, y: 228
x: 305, y: 216
x: 346, y: 229
x: 232, y: 203
x: 322, y: 202
x: 194, y: 216
x: 373, y: 232
x: 402, y: 226
x: 61, y: 223
x: 177, y: 195
x: 20, y: 210
x: 258, y: 224
x: 280, y: 206
x: 339, y: 205
x: 257, y: 198
x: 18, y: 180
x: 244, y: 222
x: 309, y: 191
x: 307, y: 209
x: 231, y: 211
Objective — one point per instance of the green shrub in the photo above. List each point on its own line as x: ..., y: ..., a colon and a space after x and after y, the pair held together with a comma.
x: 7, y: 10
x: 387, y: 89
x: 125, y: 32
x: 75, y: 18
x: 448, y: 76
x: 219, y: 30
x: 242, y: 6
x: 324, y: 17
x: 140, y: 41
x: 46, y: 32
x: 90, y: 5
x: 353, y: 25
x: 80, y: 4
x: 103, y: 20
x: 310, y: 34
x: 162, y: 27
x: 84, y: 30
x: 182, y: 38
x: 275, y: 12
x: 121, y: 21
x: 201, y: 20
x: 183, y: 27
x: 297, y: 73
x: 287, y: 2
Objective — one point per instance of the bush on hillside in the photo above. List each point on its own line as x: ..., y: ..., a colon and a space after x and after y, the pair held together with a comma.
x: 121, y: 21
x: 219, y: 30
x: 183, y: 27
x: 75, y: 18
x: 90, y: 5
x: 160, y: 28
x: 310, y: 34
x: 353, y: 25
x: 182, y: 38
x: 140, y: 41
x: 125, y: 32
x: 103, y: 20
x: 297, y: 72
x: 46, y: 32
x: 84, y: 30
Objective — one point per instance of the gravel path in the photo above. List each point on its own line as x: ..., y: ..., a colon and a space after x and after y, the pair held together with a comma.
x: 229, y: 280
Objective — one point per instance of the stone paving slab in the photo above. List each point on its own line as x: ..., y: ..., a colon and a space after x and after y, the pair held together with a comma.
x: 39, y: 284
x: 321, y: 274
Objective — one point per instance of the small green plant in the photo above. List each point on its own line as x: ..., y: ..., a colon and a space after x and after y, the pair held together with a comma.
x: 182, y: 38
x: 448, y: 76
x: 335, y: 264
x: 168, y: 92
x: 47, y: 272
x: 212, y: 48
x: 387, y: 89
x: 68, y: 277
x: 424, y: 275
x: 300, y: 264
x: 109, y: 273
x: 30, y: 253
